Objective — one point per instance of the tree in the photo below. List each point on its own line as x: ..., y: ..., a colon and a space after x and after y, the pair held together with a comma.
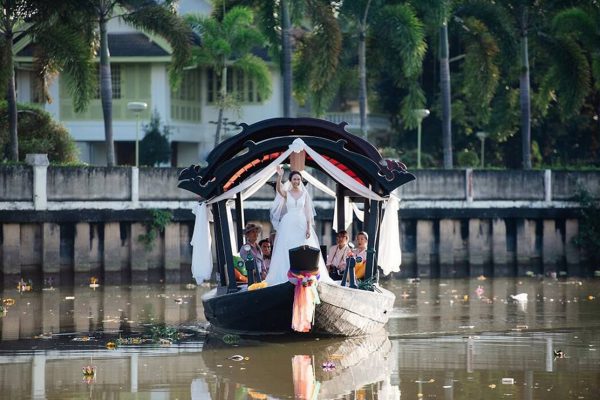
x: 155, y: 147
x: 226, y: 45
x: 359, y: 13
x: 305, y: 36
x: 158, y: 18
x: 56, y: 35
x: 437, y: 14
x: 39, y: 133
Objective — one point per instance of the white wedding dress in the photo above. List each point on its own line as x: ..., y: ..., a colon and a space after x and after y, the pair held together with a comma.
x: 291, y: 232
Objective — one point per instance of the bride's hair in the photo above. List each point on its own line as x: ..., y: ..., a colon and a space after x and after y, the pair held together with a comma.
x: 292, y: 173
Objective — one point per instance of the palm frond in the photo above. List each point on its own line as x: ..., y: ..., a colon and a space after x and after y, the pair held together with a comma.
x: 481, y: 70
x: 575, y: 21
x: 317, y: 59
x: 161, y: 20
x: 402, y: 33
x: 257, y: 69
x: 62, y: 46
x: 414, y: 100
x: 569, y: 74
x: 497, y: 20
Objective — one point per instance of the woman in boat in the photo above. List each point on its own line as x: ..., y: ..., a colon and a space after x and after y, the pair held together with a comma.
x: 362, y: 239
x: 292, y: 215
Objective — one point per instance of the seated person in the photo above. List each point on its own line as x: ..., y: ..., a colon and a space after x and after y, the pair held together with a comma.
x: 265, y: 248
x: 362, y: 239
x: 336, y: 256
x: 251, y: 231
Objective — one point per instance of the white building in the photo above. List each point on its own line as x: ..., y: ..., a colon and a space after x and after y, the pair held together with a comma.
x: 139, y: 64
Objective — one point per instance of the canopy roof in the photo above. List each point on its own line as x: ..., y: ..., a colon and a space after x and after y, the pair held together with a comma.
x: 259, y: 144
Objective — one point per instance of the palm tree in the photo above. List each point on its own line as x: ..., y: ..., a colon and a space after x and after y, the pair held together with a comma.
x: 56, y: 32
x: 226, y: 45
x: 438, y: 13
x: 305, y: 36
x: 398, y: 46
x: 358, y: 12
x: 575, y: 44
x: 153, y: 17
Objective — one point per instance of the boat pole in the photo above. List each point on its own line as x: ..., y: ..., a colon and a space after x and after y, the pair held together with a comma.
x: 372, y: 230
x: 227, y: 249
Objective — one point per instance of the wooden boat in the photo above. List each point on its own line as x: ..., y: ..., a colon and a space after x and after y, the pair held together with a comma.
x: 343, y: 311
x: 232, y: 166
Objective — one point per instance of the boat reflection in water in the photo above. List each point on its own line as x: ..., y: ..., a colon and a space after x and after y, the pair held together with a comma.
x: 307, y: 369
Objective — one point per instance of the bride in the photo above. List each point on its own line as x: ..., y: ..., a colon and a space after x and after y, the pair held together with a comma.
x: 292, y: 216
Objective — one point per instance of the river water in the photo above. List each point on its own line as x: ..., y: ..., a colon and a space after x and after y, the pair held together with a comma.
x: 446, y: 339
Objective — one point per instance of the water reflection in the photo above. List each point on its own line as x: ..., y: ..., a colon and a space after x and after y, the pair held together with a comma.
x: 447, y: 339
x: 306, y: 369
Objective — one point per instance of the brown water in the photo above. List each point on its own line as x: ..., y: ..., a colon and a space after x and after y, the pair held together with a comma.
x: 447, y: 339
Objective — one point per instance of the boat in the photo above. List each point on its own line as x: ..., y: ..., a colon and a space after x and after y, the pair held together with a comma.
x: 242, y: 164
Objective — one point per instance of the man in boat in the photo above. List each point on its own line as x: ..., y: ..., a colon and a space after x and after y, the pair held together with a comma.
x: 251, y: 231
x: 336, y: 256
x: 265, y: 248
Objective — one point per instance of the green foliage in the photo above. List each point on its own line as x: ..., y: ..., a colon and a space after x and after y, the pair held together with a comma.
x: 231, y: 339
x: 588, y: 237
x: 410, y: 159
x: 368, y: 284
x: 389, y: 152
x: 155, y: 147
x: 38, y: 133
x: 159, y: 220
x: 468, y: 158
x: 162, y: 331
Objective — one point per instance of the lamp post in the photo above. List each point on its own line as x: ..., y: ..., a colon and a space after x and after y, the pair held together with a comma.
x: 482, y: 135
x: 420, y: 114
x: 137, y: 107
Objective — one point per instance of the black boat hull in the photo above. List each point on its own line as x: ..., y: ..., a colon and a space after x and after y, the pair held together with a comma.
x: 268, y: 311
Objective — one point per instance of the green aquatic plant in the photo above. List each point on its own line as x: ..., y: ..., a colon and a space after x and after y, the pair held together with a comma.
x: 162, y: 331
x: 157, y: 223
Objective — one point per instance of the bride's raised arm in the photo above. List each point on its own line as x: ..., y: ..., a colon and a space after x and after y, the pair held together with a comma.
x: 279, y: 186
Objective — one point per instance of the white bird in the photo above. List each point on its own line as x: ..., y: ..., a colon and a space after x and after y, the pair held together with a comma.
x: 521, y: 297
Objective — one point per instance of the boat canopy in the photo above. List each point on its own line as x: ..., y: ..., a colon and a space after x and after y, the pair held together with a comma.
x: 242, y: 164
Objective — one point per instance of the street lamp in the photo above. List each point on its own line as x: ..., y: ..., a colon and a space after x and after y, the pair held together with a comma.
x: 137, y: 107
x: 420, y: 115
x: 482, y: 135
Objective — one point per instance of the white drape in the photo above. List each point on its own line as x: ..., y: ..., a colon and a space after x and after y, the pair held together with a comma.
x: 388, y: 252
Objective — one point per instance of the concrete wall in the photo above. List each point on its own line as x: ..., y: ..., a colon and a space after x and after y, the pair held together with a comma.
x: 508, y: 185
x: 86, y: 222
x: 565, y: 184
x: 435, y: 185
x: 160, y: 184
x: 90, y: 183
x: 16, y: 183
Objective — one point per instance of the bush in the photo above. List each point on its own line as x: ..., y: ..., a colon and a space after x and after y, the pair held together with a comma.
x: 409, y: 158
x: 588, y: 237
x: 467, y: 158
x: 154, y: 147
x: 38, y: 133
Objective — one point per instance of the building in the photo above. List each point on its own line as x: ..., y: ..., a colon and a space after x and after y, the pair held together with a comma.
x: 139, y: 66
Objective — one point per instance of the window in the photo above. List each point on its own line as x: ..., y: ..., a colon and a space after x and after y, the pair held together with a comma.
x: 115, y: 72
x: 238, y: 84
x: 185, y: 101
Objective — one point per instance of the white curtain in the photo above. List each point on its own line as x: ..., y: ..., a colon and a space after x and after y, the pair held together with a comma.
x: 388, y: 252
